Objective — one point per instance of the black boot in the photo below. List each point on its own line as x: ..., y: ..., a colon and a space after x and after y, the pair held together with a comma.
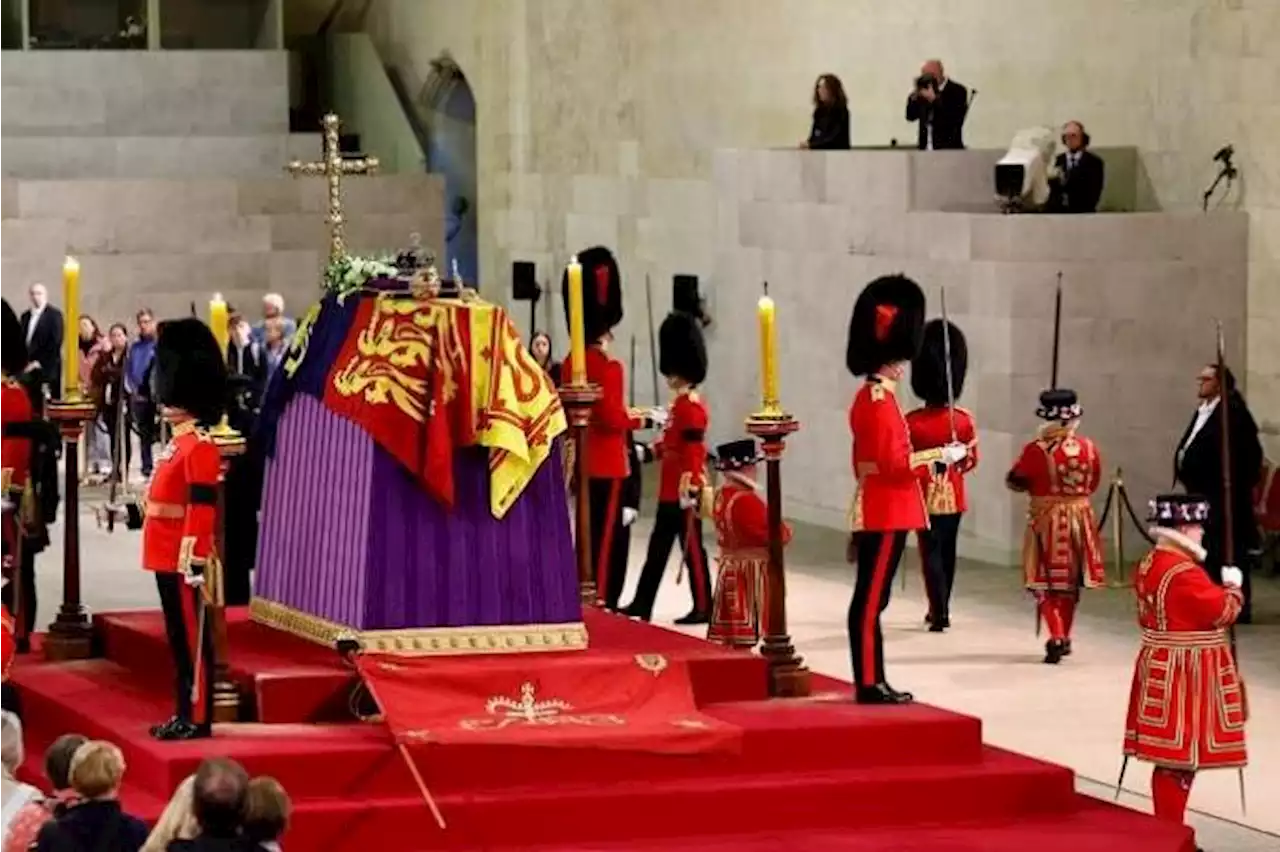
x: 694, y: 617
x: 1053, y: 651
x: 182, y: 730
x: 162, y: 730
x: 881, y: 693
x: 1066, y: 647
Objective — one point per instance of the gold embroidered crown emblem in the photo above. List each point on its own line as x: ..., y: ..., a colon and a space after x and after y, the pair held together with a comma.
x: 527, y: 709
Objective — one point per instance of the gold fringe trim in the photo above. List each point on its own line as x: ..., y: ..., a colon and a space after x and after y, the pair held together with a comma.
x: 445, y: 641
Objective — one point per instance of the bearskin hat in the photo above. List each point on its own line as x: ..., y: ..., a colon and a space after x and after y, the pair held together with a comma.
x: 190, y: 369
x: 601, y: 292
x: 1177, y: 510
x: 886, y: 325
x: 685, y: 296
x: 14, y: 345
x: 1059, y: 404
x: 929, y: 369
x: 681, y: 349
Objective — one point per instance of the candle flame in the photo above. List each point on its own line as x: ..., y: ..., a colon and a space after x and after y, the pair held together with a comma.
x: 217, y: 297
x: 573, y: 260
x: 70, y: 263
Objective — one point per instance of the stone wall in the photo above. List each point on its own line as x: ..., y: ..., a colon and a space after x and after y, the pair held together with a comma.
x: 597, y: 119
x: 1139, y: 292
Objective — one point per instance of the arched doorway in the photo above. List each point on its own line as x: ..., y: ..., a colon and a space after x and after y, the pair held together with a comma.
x: 450, y: 109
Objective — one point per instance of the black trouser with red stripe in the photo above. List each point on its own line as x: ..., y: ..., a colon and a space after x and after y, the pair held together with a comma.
x: 938, y: 559
x: 604, y: 497
x: 878, y: 557
x: 671, y: 524
x: 181, y: 607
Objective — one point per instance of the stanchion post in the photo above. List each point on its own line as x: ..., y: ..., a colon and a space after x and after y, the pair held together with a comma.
x: 788, y: 677
x: 70, y: 636
x: 226, y: 695
x: 578, y: 400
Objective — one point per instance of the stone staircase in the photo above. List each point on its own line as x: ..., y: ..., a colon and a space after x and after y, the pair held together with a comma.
x: 162, y: 172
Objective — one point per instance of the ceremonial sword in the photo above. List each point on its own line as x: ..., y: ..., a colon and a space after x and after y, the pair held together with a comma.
x: 1053, y: 385
x: 653, y: 338
x: 946, y: 357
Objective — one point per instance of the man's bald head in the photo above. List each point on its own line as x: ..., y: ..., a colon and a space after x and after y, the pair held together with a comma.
x: 218, y: 797
x: 933, y: 67
x: 39, y: 295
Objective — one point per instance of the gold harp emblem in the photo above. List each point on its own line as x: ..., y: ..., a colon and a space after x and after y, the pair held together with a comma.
x: 655, y: 664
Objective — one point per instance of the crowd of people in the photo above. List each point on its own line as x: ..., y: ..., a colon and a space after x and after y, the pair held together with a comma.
x: 217, y: 809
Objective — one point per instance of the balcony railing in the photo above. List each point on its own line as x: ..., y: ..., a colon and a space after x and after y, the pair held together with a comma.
x: 142, y: 24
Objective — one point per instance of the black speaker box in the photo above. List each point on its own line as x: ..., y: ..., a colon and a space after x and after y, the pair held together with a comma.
x: 524, y: 281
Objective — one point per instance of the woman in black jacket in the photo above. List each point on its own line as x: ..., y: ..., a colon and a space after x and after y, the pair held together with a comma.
x: 830, y: 130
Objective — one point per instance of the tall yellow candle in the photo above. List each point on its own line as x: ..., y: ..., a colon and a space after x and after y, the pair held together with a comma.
x: 577, y: 329
x: 218, y: 322
x: 70, y: 328
x: 766, y: 313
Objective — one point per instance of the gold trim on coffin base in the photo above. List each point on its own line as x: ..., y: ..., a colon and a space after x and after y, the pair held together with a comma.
x: 443, y: 641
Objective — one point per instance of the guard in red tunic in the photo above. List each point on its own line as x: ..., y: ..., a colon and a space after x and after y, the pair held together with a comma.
x: 741, y: 517
x: 884, y: 335
x: 1186, y: 706
x: 682, y: 452
x: 16, y: 441
x: 181, y: 512
x: 934, y: 425
x: 8, y: 643
x: 1060, y: 470
x: 608, y: 447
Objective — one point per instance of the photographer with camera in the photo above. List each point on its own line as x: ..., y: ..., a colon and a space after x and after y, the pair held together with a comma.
x: 940, y: 106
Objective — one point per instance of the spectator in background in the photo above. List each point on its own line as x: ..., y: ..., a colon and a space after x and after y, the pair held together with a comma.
x: 940, y: 105
x: 107, y: 389
x: 218, y: 801
x: 266, y: 814
x: 28, y: 821
x: 137, y: 386
x: 273, y: 309
x: 274, y: 344
x: 540, y: 348
x: 42, y: 324
x: 247, y: 369
x: 96, y: 822
x: 24, y: 809
x: 177, y: 822
x: 1077, y: 188
x: 830, y: 128
x: 92, y: 344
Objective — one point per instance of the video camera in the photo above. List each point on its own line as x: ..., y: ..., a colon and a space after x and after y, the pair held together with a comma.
x: 926, y: 81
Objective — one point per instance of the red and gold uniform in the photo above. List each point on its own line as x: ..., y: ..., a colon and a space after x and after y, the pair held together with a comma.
x: 1061, y: 553
x: 608, y: 439
x: 1186, y: 705
x: 18, y: 447
x: 181, y: 513
x: 15, y: 457
x: 741, y: 519
x: 8, y: 643
x: 885, y: 332
x: 682, y: 451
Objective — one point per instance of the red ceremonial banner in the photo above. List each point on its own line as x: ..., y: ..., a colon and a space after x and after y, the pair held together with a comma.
x: 641, y: 702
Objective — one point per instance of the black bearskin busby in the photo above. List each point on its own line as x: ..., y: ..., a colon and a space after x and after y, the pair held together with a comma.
x: 14, y: 345
x: 190, y: 371
x: 1059, y: 404
x: 601, y: 292
x: 929, y: 369
x: 1177, y: 510
x: 681, y: 349
x: 886, y: 325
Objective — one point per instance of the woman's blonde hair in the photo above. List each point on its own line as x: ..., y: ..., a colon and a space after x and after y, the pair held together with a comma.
x: 97, y: 769
x: 10, y: 742
x: 177, y: 821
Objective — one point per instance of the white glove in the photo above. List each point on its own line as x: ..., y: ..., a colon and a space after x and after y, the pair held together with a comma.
x: 194, y: 580
x: 688, y: 502
x: 644, y: 453
x: 953, y: 453
x: 629, y: 517
x: 1232, y: 576
x: 658, y: 416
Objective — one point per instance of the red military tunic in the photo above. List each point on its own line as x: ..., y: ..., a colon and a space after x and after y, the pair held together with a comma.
x: 741, y: 518
x: 930, y: 429
x: 888, y: 494
x: 15, y: 458
x: 608, y: 452
x: 181, y: 508
x: 682, y: 448
x: 1186, y: 705
x: 1060, y: 470
x: 8, y: 642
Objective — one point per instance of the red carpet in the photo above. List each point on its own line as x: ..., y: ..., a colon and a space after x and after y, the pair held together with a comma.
x: 819, y: 774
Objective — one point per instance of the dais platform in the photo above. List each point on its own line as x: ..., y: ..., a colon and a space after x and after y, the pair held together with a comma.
x: 817, y: 774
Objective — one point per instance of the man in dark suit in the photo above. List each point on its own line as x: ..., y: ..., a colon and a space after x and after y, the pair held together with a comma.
x: 42, y: 325
x: 940, y: 106
x: 1081, y: 174
x: 1198, y: 467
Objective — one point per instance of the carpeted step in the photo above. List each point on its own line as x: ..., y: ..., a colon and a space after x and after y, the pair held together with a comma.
x: 1093, y: 825
x: 1001, y: 787
x: 96, y: 698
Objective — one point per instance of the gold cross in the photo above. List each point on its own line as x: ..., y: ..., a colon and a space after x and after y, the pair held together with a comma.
x: 333, y: 166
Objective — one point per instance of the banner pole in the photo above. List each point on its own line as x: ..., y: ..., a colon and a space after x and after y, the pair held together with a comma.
x: 422, y: 785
